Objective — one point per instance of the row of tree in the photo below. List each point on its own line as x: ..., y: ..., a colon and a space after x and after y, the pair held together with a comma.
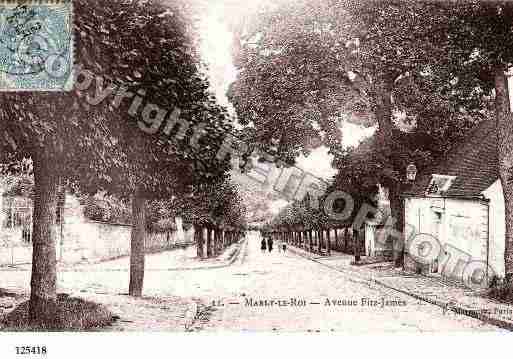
x: 88, y: 142
x: 422, y: 72
x: 320, y: 241
x: 215, y: 210
x: 301, y: 225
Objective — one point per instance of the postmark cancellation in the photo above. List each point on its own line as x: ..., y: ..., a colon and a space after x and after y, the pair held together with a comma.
x: 36, y: 45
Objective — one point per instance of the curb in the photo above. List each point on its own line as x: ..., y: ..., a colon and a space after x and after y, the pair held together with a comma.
x: 223, y: 265
x: 445, y: 306
x: 176, y: 269
x: 193, y: 312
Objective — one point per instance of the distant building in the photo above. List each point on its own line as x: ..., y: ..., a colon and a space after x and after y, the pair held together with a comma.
x: 460, y: 202
x: 377, y: 243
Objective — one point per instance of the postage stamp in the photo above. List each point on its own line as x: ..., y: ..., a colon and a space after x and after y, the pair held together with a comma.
x: 36, y: 46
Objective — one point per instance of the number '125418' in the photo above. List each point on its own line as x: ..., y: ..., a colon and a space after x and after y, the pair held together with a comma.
x: 31, y: 350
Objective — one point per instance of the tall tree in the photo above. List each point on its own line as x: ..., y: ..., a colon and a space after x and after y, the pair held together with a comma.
x: 69, y: 138
x: 354, y: 60
x: 162, y: 157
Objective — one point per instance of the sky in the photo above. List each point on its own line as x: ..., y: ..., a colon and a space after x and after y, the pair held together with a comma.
x: 216, y: 50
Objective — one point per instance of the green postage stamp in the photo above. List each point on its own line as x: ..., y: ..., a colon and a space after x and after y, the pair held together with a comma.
x: 36, y: 45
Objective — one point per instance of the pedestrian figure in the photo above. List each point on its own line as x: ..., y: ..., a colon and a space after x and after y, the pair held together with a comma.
x: 263, y: 245
x: 284, y: 247
x: 270, y: 244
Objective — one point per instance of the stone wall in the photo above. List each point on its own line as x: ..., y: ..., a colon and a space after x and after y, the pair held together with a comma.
x: 96, y: 241
x: 81, y: 240
x: 91, y: 242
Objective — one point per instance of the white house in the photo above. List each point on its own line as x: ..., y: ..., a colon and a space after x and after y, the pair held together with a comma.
x: 460, y: 203
x: 375, y: 229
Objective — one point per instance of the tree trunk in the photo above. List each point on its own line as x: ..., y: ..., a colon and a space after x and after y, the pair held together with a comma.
x: 346, y: 239
x: 137, y: 239
x: 310, y: 240
x: 43, y: 283
x: 209, y: 243
x: 320, y: 239
x: 384, y: 136
x: 505, y: 153
x: 218, y: 241
x: 328, y: 242
x: 214, y: 242
x: 59, y: 213
x: 383, y: 112
x: 198, y: 235
x: 397, y: 211
x: 356, y: 240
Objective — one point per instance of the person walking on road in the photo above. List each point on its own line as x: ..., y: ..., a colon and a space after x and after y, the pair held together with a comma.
x: 270, y: 243
x: 263, y: 245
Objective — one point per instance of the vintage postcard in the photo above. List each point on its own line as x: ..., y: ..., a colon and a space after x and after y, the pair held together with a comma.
x: 273, y: 166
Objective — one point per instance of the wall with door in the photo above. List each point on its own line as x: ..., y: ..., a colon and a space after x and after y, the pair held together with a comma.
x: 460, y: 226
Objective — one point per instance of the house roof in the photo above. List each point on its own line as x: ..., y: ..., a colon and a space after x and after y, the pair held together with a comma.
x: 474, y: 162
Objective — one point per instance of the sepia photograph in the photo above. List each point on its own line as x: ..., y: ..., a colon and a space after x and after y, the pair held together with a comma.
x: 307, y: 168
